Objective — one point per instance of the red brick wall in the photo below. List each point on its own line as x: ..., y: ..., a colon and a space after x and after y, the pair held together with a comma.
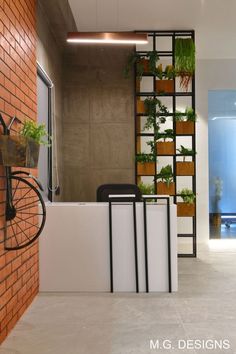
x: 18, y: 269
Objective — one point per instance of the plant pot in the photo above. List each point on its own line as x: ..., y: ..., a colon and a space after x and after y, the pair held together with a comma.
x: 165, y: 86
x: 215, y: 220
x: 185, y: 209
x: 146, y: 169
x: 141, y: 107
x: 18, y: 151
x: 165, y: 148
x: 138, y: 83
x: 163, y: 188
x: 185, y: 168
x: 145, y: 63
x: 184, y: 128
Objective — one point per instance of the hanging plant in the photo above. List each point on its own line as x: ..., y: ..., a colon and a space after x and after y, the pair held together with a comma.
x: 184, y: 60
x: 154, y: 109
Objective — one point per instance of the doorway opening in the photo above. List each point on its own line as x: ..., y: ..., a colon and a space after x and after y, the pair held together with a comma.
x: 44, y: 114
x: 222, y: 163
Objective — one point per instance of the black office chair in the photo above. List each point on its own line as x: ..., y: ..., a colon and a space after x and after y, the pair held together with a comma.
x: 105, y: 190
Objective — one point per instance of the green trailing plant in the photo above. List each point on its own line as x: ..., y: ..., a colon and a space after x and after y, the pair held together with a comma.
x: 153, y: 58
x: 134, y: 59
x: 187, y: 195
x: 137, y: 59
x: 146, y: 188
x: 152, y: 146
x: 167, y: 134
x: 156, y: 112
x: 186, y: 152
x: 165, y: 175
x: 167, y: 74
x: 142, y: 158
x: 188, y: 116
x: 184, y: 60
x: 35, y: 131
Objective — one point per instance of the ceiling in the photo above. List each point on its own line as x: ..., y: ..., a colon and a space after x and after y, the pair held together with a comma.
x: 213, y: 20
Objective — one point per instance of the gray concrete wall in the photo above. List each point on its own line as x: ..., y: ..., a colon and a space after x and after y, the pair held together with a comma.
x: 98, y: 120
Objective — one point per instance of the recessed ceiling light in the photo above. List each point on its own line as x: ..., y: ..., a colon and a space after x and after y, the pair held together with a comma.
x: 107, y: 37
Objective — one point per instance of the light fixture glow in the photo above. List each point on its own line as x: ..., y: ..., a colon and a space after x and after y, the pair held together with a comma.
x: 227, y: 117
x: 107, y: 37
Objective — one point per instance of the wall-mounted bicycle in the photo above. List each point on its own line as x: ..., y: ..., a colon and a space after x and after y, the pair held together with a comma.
x: 25, y: 212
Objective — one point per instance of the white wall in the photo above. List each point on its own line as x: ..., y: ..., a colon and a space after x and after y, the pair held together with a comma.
x: 210, y: 75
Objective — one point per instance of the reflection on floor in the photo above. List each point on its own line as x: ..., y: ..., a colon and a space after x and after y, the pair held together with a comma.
x: 204, y: 308
x: 223, y: 232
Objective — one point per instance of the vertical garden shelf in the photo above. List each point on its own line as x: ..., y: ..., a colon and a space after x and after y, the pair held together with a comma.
x: 179, y: 131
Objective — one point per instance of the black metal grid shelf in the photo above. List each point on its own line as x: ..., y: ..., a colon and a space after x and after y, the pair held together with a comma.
x: 138, y: 134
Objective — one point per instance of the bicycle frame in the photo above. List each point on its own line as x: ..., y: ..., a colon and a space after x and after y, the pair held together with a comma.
x: 21, y: 217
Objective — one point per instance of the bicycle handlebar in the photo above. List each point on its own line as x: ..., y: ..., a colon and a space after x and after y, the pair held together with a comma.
x: 6, y: 128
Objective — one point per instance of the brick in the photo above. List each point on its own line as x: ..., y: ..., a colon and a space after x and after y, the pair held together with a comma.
x: 10, y: 86
x: 10, y: 256
x: 11, y: 304
x: 11, y: 279
x: 4, y: 69
x: 2, y: 261
x: 12, y: 323
x: 3, y: 313
x: 3, y: 335
x: 10, y: 110
x: 16, y: 287
x: 16, y: 263
x: 5, y: 272
x: 2, y: 287
x: 5, y: 298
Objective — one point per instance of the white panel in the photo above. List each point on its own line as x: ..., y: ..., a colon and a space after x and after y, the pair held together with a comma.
x: 74, y: 248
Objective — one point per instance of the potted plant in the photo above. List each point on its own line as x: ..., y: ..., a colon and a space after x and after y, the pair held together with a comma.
x: 218, y: 191
x: 165, y: 147
x: 185, y: 168
x: 184, y: 60
x: 146, y: 188
x: 166, y: 185
x: 165, y: 84
x: 187, y: 207
x: 185, y: 122
x: 155, y: 110
x: 146, y: 164
x: 23, y: 150
x: 144, y: 63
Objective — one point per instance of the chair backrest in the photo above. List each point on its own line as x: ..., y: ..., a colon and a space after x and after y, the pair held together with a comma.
x: 105, y: 190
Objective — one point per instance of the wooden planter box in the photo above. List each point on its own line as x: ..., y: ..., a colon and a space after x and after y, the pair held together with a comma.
x: 138, y: 83
x: 146, y: 169
x: 185, y: 128
x: 165, y: 148
x: 185, y: 168
x: 185, y: 209
x: 162, y: 188
x: 165, y: 86
x: 18, y: 151
x: 145, y: 63
x: 141, y: 107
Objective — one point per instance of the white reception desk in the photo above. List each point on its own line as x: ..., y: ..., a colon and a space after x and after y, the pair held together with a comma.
x: 75, y: 253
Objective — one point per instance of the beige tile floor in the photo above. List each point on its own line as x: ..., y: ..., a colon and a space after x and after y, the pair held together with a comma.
x: 204, y: 308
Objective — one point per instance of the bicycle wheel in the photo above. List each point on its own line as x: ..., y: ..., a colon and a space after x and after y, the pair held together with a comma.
x: 25, y: 214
